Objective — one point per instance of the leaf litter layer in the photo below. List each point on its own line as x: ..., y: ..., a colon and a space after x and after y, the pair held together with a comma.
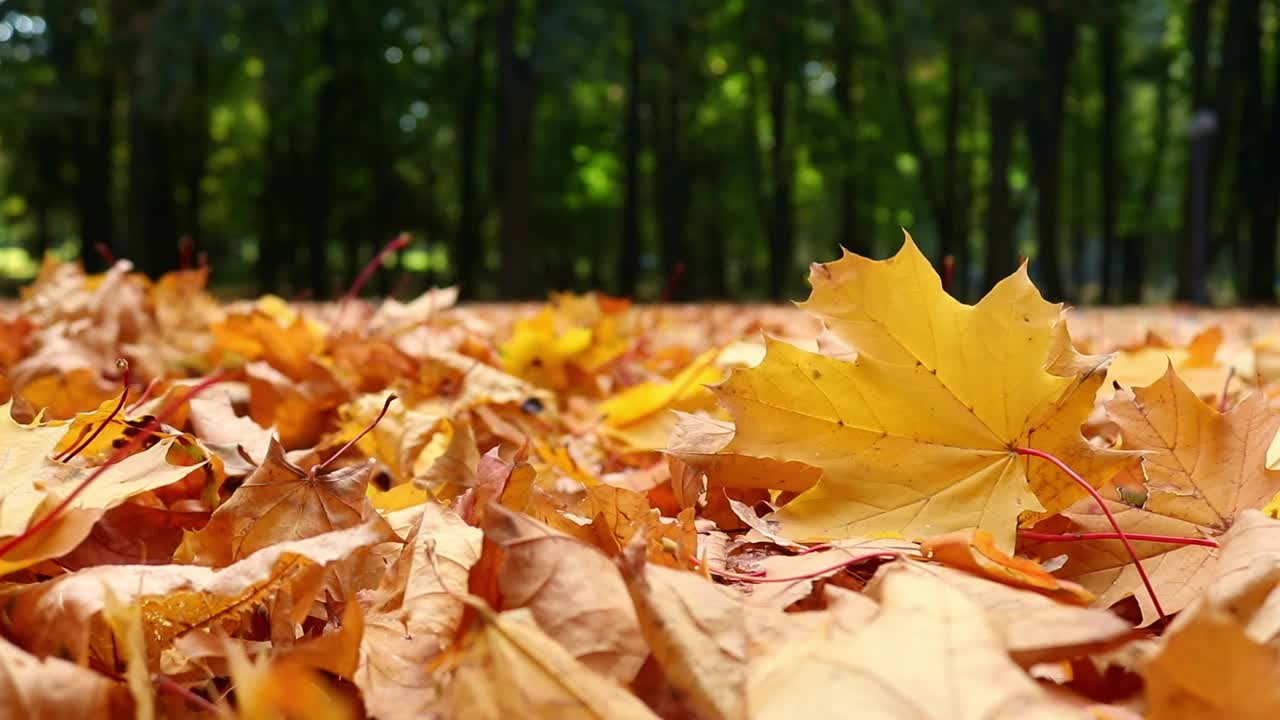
x: 885, y: 499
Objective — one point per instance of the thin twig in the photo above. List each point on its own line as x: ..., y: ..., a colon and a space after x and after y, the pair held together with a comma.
x: 1121, y: 535
x: 1141, y: 537
x: 315, y: 469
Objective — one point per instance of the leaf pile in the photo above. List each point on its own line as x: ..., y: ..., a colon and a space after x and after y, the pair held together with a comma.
x: 590, y: 509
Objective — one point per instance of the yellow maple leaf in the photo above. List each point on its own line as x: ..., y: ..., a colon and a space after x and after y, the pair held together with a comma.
x: 918, y: 433
x: 30, y: 482
x: 1201, y: 468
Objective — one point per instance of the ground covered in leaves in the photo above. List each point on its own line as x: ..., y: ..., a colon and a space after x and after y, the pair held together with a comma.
x: 884, y: 503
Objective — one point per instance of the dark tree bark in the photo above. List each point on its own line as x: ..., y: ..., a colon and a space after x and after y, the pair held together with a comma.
x: 1133, y: 262
x: 468, y: 248
x: 1046, y: 104
x: 316, y: 207
x: 851, y: 233
x: 1257, y: 159
x: 196, y: 148
x: 948, y: 230
x: 1109, y: 69
x: 93, y: 132
x: 671, y: 194
x: 1188, y: 265
x: 153, y: 219
x: 781, y: 154
x: 515, y: 128
x: 629, y: 257
x: 1000, y: 111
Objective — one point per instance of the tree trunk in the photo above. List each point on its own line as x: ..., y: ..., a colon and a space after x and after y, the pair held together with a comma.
x: 1109, y: 67
x: 951, y: 153
x: 1257, y: 159
x: 1133, y: 263
x: 781, y: 157
x: 1046, y: 106
x: 850, y: 232
x: 1000, y: 111
x: 316, y: 208
x: 95, y: 181
x: 468, y: 249
x: 515, y: 109
x: 1188, y: 265
x: 197, y: 147
x: 629, y: 257
x: 153, y: 221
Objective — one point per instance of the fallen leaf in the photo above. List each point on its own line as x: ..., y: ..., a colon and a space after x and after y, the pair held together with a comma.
x: 54, y: 688
x: 974, y: 551
x: 510, y: 668
x: 917, y: 434
x: 908, y: 659
x: 64, y: 615
x: 573, y: 591
x: 1219, y: 657
x: 281, y: 502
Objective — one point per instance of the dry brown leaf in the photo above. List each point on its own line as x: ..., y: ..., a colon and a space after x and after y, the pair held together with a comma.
x: 698, y: 441
x: 1036, y: 628
x: 280, y: 502
x: 573, y: 591
x: 1202, y: 468
x: 64, y: 615
x: 414, y: 613
x: 510, y: 668
x: 929, y: 652
x: 975, y: 551
x: 1220, y: 658
x: 216, y: 424
x: 54, y: 689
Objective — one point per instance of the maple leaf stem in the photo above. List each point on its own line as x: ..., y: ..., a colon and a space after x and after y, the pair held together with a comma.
x: 145, y: 396
x: 120, y: 454
x: 401, y: 240
x: 167, y: 684
x: 1222, y: 401
x: 1142, y: 537
x: 75, y: 450
x: 1121, y: 535
x: 806, y: 576
x: 316, y: 469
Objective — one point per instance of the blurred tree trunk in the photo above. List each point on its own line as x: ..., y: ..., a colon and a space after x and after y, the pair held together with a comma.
x: 948, y: 231
x: 1133, y: 263
x: 1109, y: 70
x: 95, y: 181
x: 515, y: 130
x: 1259, y: 149
x: 1046, y: 105
x: 316, y: 205
x: 780, y: 74
x: 1000, y: 112
x: 1199, y: 18
x: 935, y: 194
x: 671, y: 164
x: 851, y: 233
x: 468, y: 248
x: 153, y: 220
x: 629, y: 256
x: 196, y: 148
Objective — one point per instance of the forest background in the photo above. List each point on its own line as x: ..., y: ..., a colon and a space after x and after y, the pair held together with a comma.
x: 665, y: 149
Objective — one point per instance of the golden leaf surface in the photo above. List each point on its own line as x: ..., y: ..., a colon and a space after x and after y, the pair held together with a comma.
x: 916, y: 435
